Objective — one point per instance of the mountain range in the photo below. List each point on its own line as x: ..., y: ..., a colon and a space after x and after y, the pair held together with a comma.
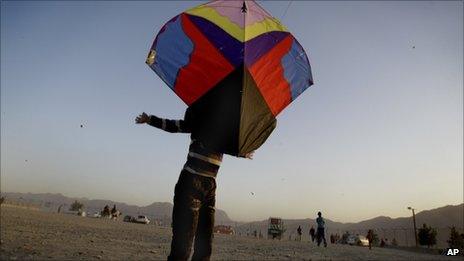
x: 399, y: 228
x: 51, y: 202
x: 402, y: 229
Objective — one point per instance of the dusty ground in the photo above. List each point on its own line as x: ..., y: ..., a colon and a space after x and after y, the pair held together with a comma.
x: 31, y: 234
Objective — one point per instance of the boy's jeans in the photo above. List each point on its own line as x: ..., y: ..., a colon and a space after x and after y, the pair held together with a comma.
x: 193, y: 217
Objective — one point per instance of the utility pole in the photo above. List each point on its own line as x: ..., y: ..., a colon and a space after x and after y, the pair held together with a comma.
x: 414, y: 221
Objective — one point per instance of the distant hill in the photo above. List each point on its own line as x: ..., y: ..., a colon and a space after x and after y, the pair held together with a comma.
x: 51, y: 202
x: 399, y: 228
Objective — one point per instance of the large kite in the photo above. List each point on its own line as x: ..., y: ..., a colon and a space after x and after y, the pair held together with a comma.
x: 235, y: 66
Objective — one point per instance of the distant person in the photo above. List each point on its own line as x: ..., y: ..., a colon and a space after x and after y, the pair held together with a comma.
x: 370, y: 237
x: 115, y: 213
x: 320, y: 229
x: 298, y: 230
x: 382, y: 243
x: 312, y: 233
x: 195, y: 191
x: 106, y: 211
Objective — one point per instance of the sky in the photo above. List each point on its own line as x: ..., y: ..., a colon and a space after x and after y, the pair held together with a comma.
x: 380, y: 130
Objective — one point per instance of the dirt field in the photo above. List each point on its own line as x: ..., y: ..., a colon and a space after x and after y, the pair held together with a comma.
x: 32, y: 234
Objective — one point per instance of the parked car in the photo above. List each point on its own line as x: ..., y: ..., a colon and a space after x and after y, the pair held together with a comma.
x: 128, y: 219
x: 351, y: 240
x: 357, y: 240
x: 142, y: 219
x: 96, y: 214
x: 362, y: 241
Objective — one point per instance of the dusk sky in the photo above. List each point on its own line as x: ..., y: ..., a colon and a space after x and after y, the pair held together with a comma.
x: 381, y: 129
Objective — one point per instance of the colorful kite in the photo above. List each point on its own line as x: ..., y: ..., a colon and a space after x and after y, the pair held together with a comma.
x: 235, y: 66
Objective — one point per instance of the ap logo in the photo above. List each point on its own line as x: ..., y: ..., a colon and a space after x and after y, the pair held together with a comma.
x: 452, y: 252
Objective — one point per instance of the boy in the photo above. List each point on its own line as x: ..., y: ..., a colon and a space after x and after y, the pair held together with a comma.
x: 195, y: 191
x: 320, y: 229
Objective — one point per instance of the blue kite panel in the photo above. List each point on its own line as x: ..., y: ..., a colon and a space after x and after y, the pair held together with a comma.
x: 297, y: 70
x: 173, y: 48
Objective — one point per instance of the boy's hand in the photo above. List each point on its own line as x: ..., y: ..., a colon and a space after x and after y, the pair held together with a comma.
x: 142, y: 118
x: 250, y: 155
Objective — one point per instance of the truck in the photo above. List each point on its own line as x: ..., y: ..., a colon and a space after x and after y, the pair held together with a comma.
x: 276, y: 228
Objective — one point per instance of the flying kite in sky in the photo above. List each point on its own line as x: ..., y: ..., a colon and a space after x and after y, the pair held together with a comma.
x: 235, y: 66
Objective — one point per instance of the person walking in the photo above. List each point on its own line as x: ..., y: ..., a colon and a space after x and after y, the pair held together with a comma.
x: 298, y: 230
x: 370, y: 237
x: 320, y: 229
x: 312, y: 233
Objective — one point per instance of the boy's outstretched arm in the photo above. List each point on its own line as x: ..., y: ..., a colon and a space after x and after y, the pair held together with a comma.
x: 164, y: 124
